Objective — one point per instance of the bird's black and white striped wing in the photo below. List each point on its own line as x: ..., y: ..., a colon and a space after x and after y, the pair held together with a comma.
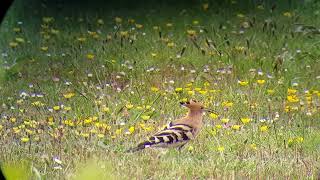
x: 173, y: 135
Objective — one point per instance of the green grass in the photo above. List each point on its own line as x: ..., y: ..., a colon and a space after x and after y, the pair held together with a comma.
x: 134, y: 73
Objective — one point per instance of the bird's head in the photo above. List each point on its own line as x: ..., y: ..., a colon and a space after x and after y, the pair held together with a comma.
x: 193, y: 105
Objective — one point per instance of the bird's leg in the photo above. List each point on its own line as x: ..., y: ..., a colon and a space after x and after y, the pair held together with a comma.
x: 180, y: 147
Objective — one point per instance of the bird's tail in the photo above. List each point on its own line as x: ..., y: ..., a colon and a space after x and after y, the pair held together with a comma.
x: 140, y: 147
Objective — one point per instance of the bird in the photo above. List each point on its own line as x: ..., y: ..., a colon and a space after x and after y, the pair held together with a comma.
x: 177, y: 133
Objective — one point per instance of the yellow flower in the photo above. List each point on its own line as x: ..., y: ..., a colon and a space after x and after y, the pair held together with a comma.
x: 205, y: 6
x: 220, y: 148
x: 100, y: 22
x: 213, y: 115
x: 292, y: 98
x: 227, y: 104
x: 106, y: 109
x: 81, y: 39
x: 90, y: 56
x: 100, y: 135
x: 190, y: 93
x: 287, y: 14
x: 68, y: 95
x: 20, y: 40
x: 129, y: 106
x: 260, y: 7
x: 44, y: 48
x: 191, y: 32
x: 203, y: 92
x: 47, y: 19
x: 264, y: 128
x: 67, y: 108
x: 131, y: 21
x: 85, y: 135
x: 118, y: 20
x: 16, y: 29
x: 124, y: 33
x: 290, y: 141
x: 170, y: 44
x: 56, y: 108
x: 235, y: 127
x: 190, y: 148
x: 253, y: 146
x: 270, y: 91
x: 13, y: 120
x: 178, y: 90
x: 245, y: 120
x: 261, y: 81
x: 239, y: 48
x: 239, y: 15
x: 169, y: 24
x: 139, y: 26
x: 299, y: 139
x: 37, y: 103
x: 131, y: 129
x: 13, y: 44
x: 25, y: 139
x: 1, y: 127
x: 225, y: 120
x: 291, y: 91
x: 154, y: 89
x: 243, y: 83
x: 145, y: 117
x: 218, y: 126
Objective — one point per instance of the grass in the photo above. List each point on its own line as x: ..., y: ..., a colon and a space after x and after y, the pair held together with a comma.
x: 80, y: 87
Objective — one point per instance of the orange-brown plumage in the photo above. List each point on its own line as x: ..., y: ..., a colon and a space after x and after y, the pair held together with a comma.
x: 179, y: 132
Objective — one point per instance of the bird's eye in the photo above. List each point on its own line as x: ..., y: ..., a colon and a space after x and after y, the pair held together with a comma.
x: 188, y: 102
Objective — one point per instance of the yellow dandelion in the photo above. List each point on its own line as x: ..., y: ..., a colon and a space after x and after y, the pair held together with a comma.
x: 118, y: 20
x: 292, y: 98
x: 56, y: 108
x: 90, y: 56
x: 139, y: 26
x: 205, y: 6
x: 287, y: 14
x: 145, y: 117
x: 213, y: 115
x: 191, y: 32
x: 20, y: 40
x: 253, y: 146
x: 236, y: 127
x: 225, y: 120
x: 178, y: 90
x: 100, y: 21
x: 44, y: 48
x: 171, y: 44
x: 245, y: 120
x: 25, y: 139
x: 81, y: 39
x: 220, y: 148
x: 154, y: 89
x: 291, y: 91
x: 264, y: 128
x: 68, y: 95
x: 243, y: 83
x: 261, y: 81
x: 13, y: 44
x: 131, y: 129
x: 270, y: 91
x: 16, y: 29
x: 129, y: 106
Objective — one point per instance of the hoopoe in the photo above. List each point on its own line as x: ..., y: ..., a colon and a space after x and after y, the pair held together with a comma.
x: 177, y: 133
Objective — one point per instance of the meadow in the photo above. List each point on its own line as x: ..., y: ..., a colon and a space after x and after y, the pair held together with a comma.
x: 81, y: 84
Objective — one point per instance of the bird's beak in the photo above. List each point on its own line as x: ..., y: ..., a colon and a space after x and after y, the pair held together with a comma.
x: 183, y: 104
